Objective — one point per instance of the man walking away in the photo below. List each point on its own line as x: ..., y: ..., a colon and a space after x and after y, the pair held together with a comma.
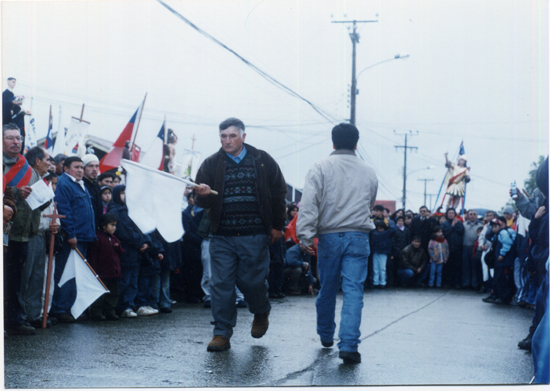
x: 339, y: 191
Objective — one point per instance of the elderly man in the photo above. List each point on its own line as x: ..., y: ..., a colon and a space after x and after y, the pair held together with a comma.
x: 19, y: 176
x: 248, y: 213
x: 471, y: 270
x: 338, y: 191
x: 32, y: 280
x: 78, y: 228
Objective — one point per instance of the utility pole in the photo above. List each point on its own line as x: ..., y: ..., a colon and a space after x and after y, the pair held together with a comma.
x: 354, y: 35
x: 405, y: 147
x: 430, y: 195
x: 425, y: 182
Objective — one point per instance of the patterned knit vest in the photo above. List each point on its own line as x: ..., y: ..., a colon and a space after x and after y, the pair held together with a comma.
x: 240, y: 208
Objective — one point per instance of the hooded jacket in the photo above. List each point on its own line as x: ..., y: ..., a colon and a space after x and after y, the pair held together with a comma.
x: 127, y: 231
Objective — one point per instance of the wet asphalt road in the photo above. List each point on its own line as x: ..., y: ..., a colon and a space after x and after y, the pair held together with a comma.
x: 408, y: 337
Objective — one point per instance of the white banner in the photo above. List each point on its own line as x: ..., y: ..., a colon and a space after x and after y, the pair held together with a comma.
x: 154, y: 200
x: 77, y: 131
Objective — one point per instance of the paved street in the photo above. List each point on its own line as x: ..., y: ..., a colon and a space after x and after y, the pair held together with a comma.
x: 409, y: 337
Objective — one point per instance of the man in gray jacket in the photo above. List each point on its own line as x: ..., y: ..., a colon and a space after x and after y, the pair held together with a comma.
x: 338, y: 194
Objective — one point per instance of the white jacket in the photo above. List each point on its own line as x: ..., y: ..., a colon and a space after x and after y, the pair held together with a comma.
x: 339, y: 192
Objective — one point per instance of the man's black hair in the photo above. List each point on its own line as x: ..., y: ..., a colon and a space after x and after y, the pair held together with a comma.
x: 423, y: 207
x: 70, y: 160
x: 232, y: 122
x: 386, y: 210
x: 416, y: 238
x: 378, y: 207
x: 105, y: 175
x: 400, y: 218
x: 59, y: 158
x: 33, y: 154
x: 345, y: 136
x: 11, y: 78
x: 107, y: 219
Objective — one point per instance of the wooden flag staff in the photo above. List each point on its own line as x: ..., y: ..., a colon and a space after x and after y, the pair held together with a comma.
x: 92, y: 270
x: 54, y: 216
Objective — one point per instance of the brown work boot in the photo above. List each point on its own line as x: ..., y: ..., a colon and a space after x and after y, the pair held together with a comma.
x: 260, y: 325
x: 218, y: 344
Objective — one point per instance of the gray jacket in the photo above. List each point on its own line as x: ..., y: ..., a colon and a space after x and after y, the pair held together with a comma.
x: 528, y: 206
x: 338, y: 193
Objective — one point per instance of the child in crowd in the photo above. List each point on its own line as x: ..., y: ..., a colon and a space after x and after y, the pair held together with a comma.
x: 380, y: 245
x: 103, y: 255
x: 413, y: 264
x: 105, y: 197
x: 438, y: 248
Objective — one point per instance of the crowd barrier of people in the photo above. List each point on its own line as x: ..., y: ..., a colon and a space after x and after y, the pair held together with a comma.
x: 504, y: 256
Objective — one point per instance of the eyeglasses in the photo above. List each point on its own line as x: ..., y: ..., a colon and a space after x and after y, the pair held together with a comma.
x: 11, y: 138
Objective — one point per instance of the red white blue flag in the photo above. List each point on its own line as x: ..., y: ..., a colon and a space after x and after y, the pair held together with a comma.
x: 113, y: 158
x: 48, y: 144
x: 154, y: 157
x: 19, y: 174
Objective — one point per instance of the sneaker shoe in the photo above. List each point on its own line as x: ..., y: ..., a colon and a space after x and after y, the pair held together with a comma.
x: 240, y: 304
x: 207, y: 304
x: 152, y: 309
x: 350, y: 357
x: 489, y: 299
x: 260, y: 325
x: 218, y: 344
x: 166, y: 310
x: 146, y: 311
x: 327, y: 344
x: 37, y: 324
x: 24, y: 329
x: 129, y: 313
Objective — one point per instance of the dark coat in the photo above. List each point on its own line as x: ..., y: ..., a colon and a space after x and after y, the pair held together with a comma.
x: 150, y: 265
x: 400, y: 240
x: 412, y: 258
x: 380, y: 242
x: 95, y: 196
x: 424, y: 229
x: 453, y: 234
x: 127, y: 231
x: 271, y: 188
x: 103, y: 255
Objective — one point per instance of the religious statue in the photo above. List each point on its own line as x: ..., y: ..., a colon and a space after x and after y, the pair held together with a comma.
x: 456, y: 179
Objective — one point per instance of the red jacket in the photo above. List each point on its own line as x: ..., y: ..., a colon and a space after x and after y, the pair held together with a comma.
x: 103, y: 255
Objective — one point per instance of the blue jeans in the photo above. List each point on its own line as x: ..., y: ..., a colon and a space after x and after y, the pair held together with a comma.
x: 128, y: 287
x: 160, y: 298
x: 64, y: 297
x: 379, y: 269
x: 342, y: 254
x: 408, y: 277
x: 435, y: 269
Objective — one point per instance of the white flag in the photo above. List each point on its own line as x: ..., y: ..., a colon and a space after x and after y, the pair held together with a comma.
x: 77, y: 131
x: 154, y: 199
x: 59, y: 146
x: 88, y: 287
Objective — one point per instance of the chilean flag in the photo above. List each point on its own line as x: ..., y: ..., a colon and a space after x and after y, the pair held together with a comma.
x: 48, y: 144
x: 113, y: 158
x: 19, y: 174
x: 154, y: 157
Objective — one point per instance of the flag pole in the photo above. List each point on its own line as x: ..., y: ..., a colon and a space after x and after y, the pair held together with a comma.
x: 54, y: 216
x: 50, y: 121
x: 137, y: 126
x: 91, y: 269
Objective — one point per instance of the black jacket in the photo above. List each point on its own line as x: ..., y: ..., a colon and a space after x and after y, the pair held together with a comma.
x: 270, y: 185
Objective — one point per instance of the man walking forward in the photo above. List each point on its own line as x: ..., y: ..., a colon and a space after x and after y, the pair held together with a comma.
x: 247, y: 215
x: 338, y: 194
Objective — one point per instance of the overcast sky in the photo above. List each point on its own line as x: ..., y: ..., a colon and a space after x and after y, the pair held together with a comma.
x: 477, y: 72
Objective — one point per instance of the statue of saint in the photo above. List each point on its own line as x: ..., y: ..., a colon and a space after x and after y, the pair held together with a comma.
x: 456, y: 179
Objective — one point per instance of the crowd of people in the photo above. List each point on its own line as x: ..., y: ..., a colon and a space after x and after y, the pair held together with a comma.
x: 504, y: 256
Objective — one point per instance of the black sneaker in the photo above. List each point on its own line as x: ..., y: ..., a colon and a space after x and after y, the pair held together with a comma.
x: 37, y: 324
x: 327, y: 344
x: 166, y: 310
x: 489, y: 299
x: 350, y: 357
x: 525, y: 344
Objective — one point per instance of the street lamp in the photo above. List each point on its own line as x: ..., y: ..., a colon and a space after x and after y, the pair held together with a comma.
x: 405, y: 175
x: 396, y: 57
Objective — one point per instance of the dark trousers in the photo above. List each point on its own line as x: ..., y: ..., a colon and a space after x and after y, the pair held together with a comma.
x: 241, y: 261
x: 13, y: 265
x: 276, y: 277
x: 452, y: 269
x: 391, y: 271
x: 503, y: 284
x: 106, y: 304
x: 471, y: 268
